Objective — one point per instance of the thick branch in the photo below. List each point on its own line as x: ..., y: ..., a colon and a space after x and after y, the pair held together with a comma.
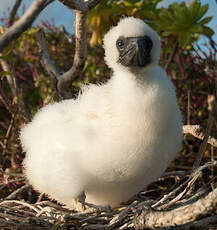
x: 80, y: 5
x: 64, y: 80
x: 80, y: 52
x: 23, y: 23
x: 196, y: 131
x: 179, y: 216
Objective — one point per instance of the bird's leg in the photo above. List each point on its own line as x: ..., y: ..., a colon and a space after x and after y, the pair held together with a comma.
x: 79, y: 202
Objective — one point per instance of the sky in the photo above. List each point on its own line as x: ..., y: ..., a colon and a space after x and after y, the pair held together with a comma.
x: 54, y: 12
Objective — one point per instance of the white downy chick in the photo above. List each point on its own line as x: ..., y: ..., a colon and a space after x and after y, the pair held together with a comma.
x: 114, y: 139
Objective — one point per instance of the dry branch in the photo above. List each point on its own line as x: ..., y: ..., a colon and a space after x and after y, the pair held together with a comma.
x: 23, y: 23
x: 194, y: 174
x: 171, y: 57
x: 46, y: 60
x: 195, y: 211
x: 8, y: 133
x: 121, y: 218
x: 64, y: 80
x: 196, y: 131
x: 14, y: 12
x: 199, y: 156
x: 152, y: 219
x: 14, y: 194
x: 48, y: 64
x: 80, y: 52
x: 11, y: 78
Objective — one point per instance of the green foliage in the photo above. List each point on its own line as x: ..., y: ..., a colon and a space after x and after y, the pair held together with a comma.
x: 180, y: 21
x: 186, y: 22
x: 108, y: 13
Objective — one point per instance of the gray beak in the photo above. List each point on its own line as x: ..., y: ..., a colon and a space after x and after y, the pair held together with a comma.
x: 134, y: 51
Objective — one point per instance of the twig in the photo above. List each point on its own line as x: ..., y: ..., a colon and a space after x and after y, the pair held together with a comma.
x: 51, y: 204
x: 207, y: 132
x: 14, y: 12
x: 3, y: 101
x: 181, y: 194
x: 23, y: 23
x: 8, y: 133
x: 46, y: 61
x: 171, y: 194
x: 175, y: 49
x: 47, y: 214
x: 189, y: 108
x: 192, y: 175
x: 31, y: 207
x: 10, y: 78
x: 20, y: 190
x: 179, y: 216
x: 196, y: 131
x: 175, y: 173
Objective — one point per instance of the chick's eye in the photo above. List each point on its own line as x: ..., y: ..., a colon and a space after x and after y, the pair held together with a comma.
x: 120, y: 43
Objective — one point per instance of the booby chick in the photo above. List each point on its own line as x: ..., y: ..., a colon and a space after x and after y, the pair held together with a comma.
x: 115, y: 138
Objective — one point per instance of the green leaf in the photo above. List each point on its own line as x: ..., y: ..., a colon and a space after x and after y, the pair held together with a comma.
x: 205, y: 20
x: 202, y: 11
x: 194, y: 8
x: 184, y: 38
x: 207, y: 31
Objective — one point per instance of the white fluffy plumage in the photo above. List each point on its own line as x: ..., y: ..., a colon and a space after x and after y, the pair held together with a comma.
x: 114, y: 139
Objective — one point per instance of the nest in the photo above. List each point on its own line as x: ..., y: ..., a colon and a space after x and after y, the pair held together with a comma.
x: 190, y: 203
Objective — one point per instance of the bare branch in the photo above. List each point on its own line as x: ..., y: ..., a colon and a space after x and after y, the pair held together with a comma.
x: 20, y: 190
x: 23, y: 23
x: 14, y: 12
x: 175, y: 49
x: 203, y: 145
x: 179, y: 216
x: 189, y: 108
x: 194, y: 174
x: 65, y: 80
x: 10, y: 78
x: 80, y: 5
x: 80, y: 52
x: 46, y: 60
x: 8, y: 134
x: 48, y: 64
x: 196, y: 131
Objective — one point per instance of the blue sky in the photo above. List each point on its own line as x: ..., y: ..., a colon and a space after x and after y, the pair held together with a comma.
x: 63, y: 16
